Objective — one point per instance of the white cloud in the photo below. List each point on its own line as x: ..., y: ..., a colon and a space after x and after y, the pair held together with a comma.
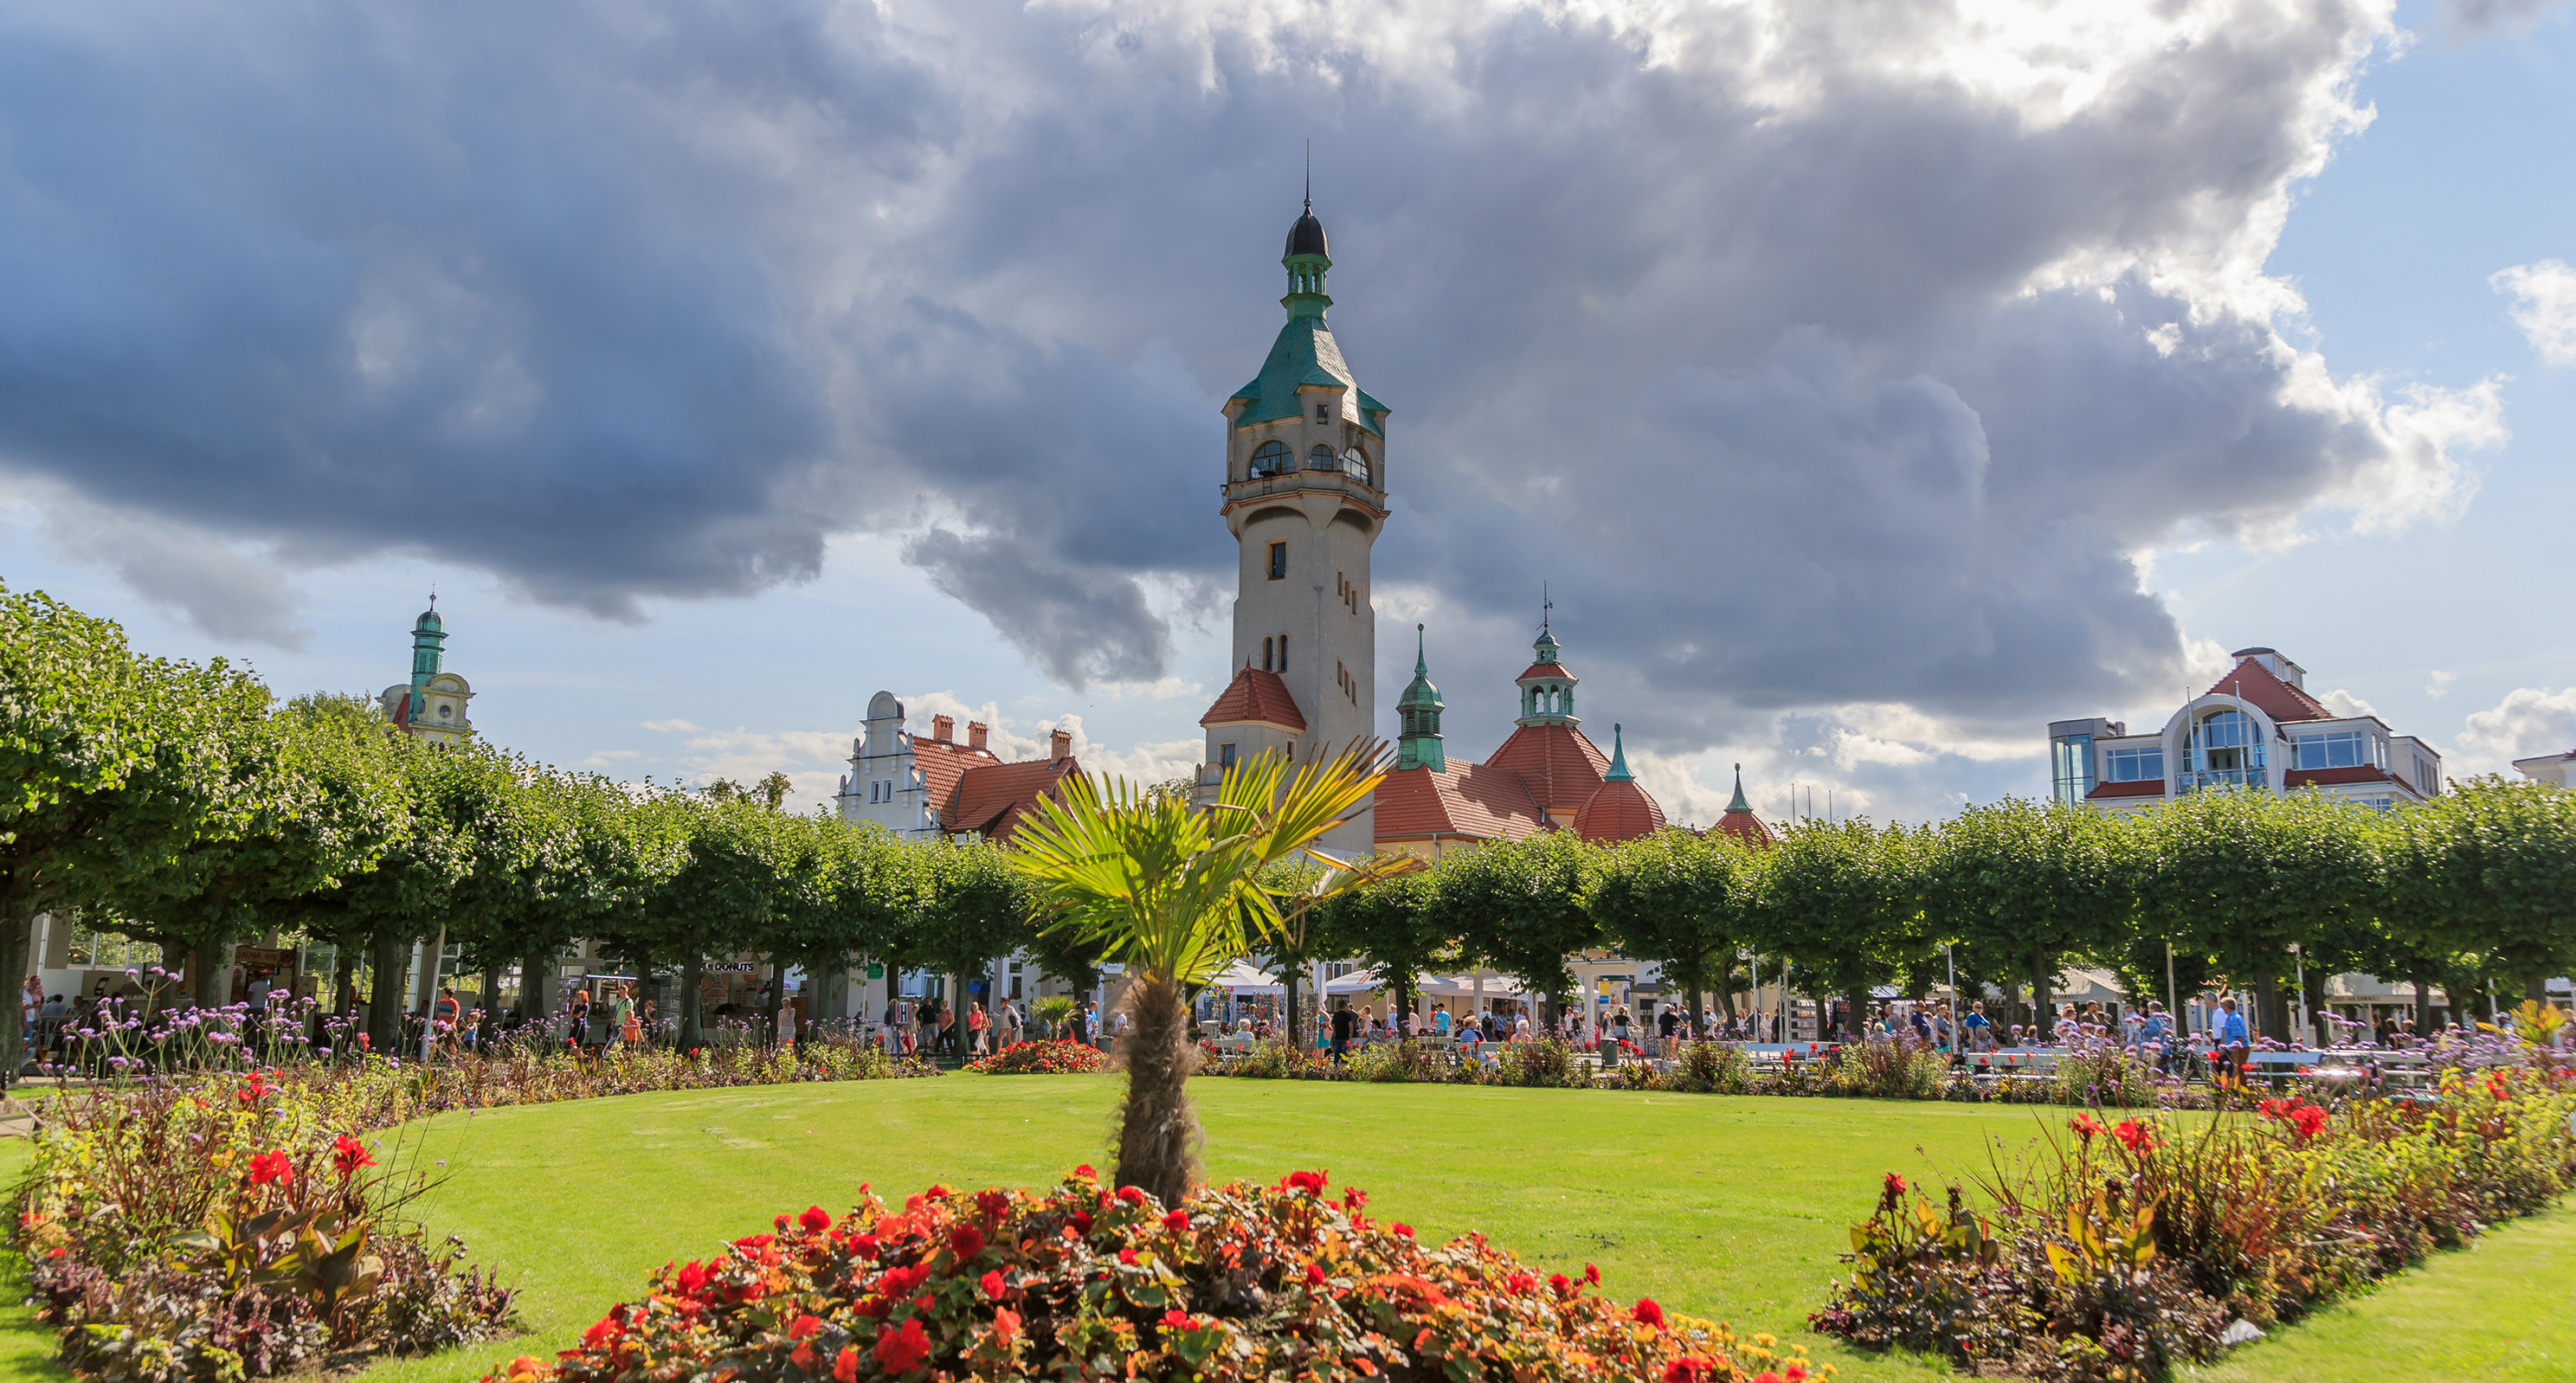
x: 2544, y: 306
x: 2438, y: 684
x: 2529, y: 721
x: 2344, y: 703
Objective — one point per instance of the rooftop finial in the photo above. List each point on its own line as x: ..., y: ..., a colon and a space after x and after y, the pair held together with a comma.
x: 1739, y: 804
x: 1421, y: 662
x: 1544, y: 606
x: 1618, y: 759
x: 1310, y: 174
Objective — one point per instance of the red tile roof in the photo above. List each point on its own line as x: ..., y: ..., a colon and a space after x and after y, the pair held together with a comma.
x: 1618, y: 811
x: 1559, y: 766
x: 1469, y: 802
x: 1746, y: 827
x: 942, y: 763
x: 1547, y: 670
x: 1256, y: 697
x: 2253, y: 682
x: 2144, y: 787
x: 991, y: 797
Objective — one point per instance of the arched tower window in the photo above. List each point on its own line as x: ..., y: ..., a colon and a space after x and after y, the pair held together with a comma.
x: 1270, y: 458
x: 1355, y: 464
x: 1320, y: 459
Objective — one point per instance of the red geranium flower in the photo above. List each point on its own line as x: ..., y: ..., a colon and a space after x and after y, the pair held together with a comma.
x: 1177, y: 1220
x: 272, y: 1166
x: 966, y: 1241
x: 1132, y: 1195
x: 1558, y: 1284
x: 846, y: 1368
x: 1591, y: 1276
x: 608, y: 1328
x: 1314, y: 1275
x: 1304, y: 1181
x: 1404, y: 1229
x: 1690, y: 1368
x: 692, y: 1278
x: 2309, y: 1120
x: 1084, y: 1171
x: 1646, y: 1312
x: 805, y: 1327
x: 1521, y: 1282
x: 992, y: 1284
x: 815, y: 1220
x: 902, y: 1350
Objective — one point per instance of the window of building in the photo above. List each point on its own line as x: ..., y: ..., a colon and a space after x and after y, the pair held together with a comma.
x: 1283, y: 653
x: 1278, y: 561
x: 1355, y: 464
x: 2225, y: 750
x: 2133, y: 765
x: 2071, y: 767
x: 1265, y: 654
x: 1321, y: 459
x: 2333, y: 749
x: 1323, y: 412
x: 1225, y: 756
x: 1270, y: 458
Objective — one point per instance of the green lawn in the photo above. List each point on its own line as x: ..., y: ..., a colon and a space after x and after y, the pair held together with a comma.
x: 1729, y: 1208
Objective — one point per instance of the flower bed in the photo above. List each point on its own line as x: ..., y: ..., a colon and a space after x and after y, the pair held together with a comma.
x: 2130, y: 1247
x: 227, y: 1224
x: 1243, y: 1282
x: 1066, y: 1058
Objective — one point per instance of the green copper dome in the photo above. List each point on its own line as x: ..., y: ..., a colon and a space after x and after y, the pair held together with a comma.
x: 1417, y: 717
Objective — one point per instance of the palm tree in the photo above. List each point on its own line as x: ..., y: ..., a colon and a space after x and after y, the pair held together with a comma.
x: 1174, y: 892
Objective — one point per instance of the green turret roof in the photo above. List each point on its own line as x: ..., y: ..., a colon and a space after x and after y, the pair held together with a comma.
x: 1618, y: 760
x: 1739, y: 804
x: 1304, y: 354
x: 1419, y: 693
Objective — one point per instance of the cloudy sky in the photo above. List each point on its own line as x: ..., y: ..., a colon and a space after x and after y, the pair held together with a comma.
x: 1869, y: 383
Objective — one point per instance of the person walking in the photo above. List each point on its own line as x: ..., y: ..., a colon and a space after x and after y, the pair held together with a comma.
x: 1346, y: 1025
x: 577, y: 1014
x: 2229, y: 1042
x: 621, y: 1017
x: 976, y: 1023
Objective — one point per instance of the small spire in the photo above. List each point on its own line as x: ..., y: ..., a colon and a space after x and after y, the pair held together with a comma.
x: 1545, y: 605
x: 1739, y: 804
x: 1421, y: 663
x: 1310, y: 174
x: 1618, y: 759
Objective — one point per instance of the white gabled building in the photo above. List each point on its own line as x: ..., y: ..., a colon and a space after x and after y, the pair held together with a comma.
x: 924, y: 787
x: 2557, y: 770
x: 2257, y: 727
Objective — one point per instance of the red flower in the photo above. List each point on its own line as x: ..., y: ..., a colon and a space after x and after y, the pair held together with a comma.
x: 846, y: 1368
x: 1521, y: 1282
x: 814, y: 1220
x: 966, y: 1241
x: 902, y: 1350
x: 2085, y: 1125
x: 1131, y: 1195
x: 608, y: 1329
x: 1312, y: 1182
x: 1767, y: 1376
x: 805, y: 1328
x: 1646, y: 1312
x: 2496, y: 1085
x: 1895, y: 1187
x: 272, y: 1166
x: 1404, y: 1229
x: 1082, y: 1221
x: 1558, y: 1284
x: 1796, y: 1374
x: 1177, y: 1221
x: 348, y: 1155
x: 1177, y: 1320
x: 1353, y: 1198
x: 1084, y: 1171
x: 1690, y: 1368
x: 2277, y: 1109
x: 692, y: 1278
x: 991, y: 1206
x: 992, y: 1284
x: 1591, y: 1276
x: 937, y: 1192
x: 1314, y: 1275
x: 1128, y: 1257
x: 2136, y: 1137
x: 2309, y: 1120
x: 1006, y: 1323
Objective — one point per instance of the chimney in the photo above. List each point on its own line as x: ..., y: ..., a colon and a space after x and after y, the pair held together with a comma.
x: 1059, y: 745
x: 975, y: 732
x: 941, y: 727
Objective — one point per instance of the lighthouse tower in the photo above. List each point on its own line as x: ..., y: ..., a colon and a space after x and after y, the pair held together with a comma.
x: 1305, y: 496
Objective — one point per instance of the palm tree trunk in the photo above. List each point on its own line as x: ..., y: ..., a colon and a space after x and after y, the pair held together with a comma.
x: 1158, y: 1135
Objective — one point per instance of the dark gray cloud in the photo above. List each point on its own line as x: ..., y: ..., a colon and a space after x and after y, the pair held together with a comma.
x: 1807, y: 368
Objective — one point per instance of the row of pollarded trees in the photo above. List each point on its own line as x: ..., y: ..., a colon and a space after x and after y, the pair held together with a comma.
x: 2472, y: 890
x: 186, y: 806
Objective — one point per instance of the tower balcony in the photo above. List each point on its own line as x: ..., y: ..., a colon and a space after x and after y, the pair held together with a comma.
x: 1303, y: 484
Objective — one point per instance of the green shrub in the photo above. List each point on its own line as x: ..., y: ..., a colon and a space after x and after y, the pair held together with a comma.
x: 1710, y: 1068
x: 1540, y: 1061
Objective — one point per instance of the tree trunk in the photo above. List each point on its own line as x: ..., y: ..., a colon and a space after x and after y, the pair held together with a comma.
x: 2267, y: 995
x: 1158, y: 1136
x: 1403, y: 999
x: 1691, y: 996
x: 2423, y: 1007
x: 1856, y: 1011
x: 1294, y: 1018
x: 2535, y: 988
x: 2043, y: 1018
x: 344, y: 980
x: 490, y: 999
x: 206, y: 972
x: 533, y: 973
x: 692, y: 1026
x: 17, y: 921
x: 392, y: 963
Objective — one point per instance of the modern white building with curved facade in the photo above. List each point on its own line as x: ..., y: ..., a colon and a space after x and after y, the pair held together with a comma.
x: 2257, y: 727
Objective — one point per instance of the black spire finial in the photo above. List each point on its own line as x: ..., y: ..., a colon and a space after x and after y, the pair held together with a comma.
x: 1544, y: 606
x: 1310, y: 174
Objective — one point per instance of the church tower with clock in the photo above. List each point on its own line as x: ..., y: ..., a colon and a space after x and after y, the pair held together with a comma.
x: 1305, y: 496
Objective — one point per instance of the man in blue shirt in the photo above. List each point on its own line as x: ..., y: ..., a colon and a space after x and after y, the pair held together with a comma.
x: 2230, y: 1042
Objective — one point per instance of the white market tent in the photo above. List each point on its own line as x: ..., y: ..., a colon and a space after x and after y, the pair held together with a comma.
x: 1242, y: 975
